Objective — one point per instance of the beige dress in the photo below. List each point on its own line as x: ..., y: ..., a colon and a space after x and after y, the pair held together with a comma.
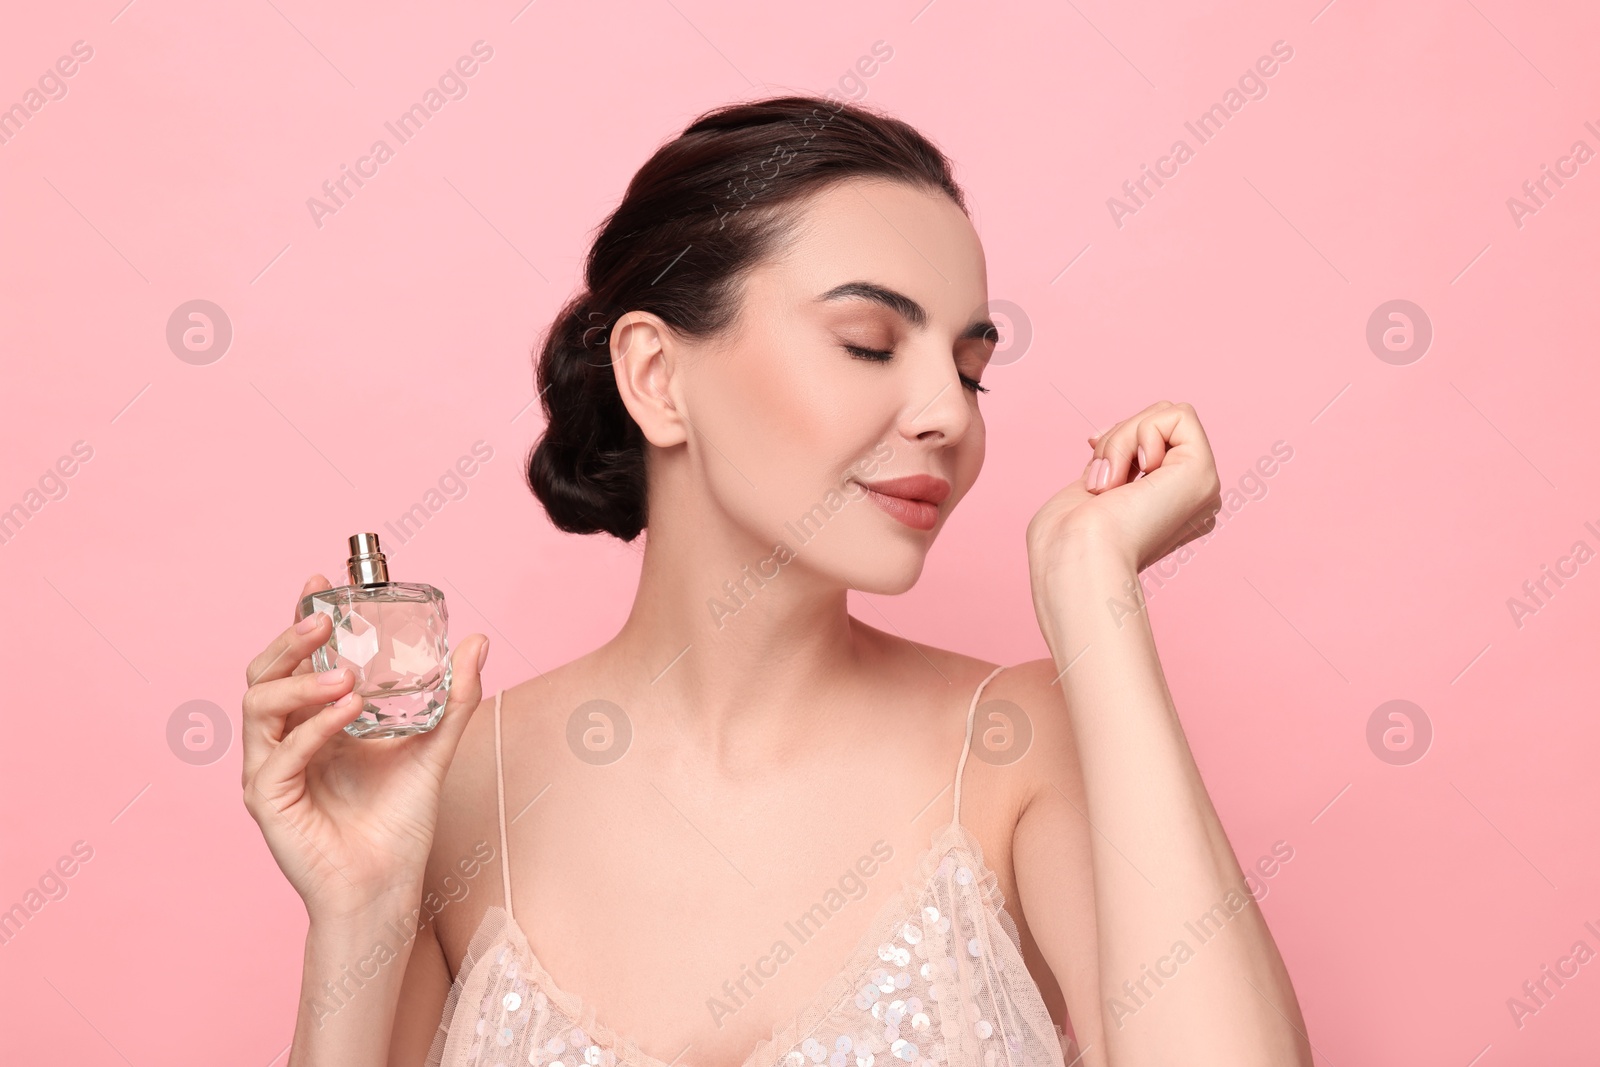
x: 936, y: 980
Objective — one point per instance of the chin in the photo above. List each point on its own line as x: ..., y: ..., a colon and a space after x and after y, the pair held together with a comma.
x: 881, y: 558
x: 881, y: 585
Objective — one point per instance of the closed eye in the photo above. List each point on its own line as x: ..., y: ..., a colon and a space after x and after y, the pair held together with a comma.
x: 878, y: 355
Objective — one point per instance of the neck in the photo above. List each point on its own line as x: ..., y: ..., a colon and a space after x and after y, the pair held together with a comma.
x: 742, y: 651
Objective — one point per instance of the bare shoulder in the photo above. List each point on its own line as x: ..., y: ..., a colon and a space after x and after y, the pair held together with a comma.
x: 463, y: 876
x: 1041, y: 728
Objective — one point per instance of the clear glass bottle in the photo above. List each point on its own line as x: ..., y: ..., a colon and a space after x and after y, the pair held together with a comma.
x: 392, y: 635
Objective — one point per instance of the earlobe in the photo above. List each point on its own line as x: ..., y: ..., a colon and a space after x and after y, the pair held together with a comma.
x: 643, y: 361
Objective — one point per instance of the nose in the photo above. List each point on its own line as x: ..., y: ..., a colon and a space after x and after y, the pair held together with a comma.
x: 937, y: 408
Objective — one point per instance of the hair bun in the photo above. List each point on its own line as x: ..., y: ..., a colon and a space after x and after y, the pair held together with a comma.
x: 588, y: 468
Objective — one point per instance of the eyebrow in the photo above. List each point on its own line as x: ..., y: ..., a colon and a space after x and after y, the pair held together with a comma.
x: 904, y: 306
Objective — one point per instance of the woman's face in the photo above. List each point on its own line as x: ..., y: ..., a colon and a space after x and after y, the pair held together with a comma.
x: 794, y: 410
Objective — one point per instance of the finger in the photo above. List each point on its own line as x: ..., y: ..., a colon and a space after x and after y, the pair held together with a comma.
x: 289, y: 760
x: 1115, y: 450
x: 1170, y: 434
x: 1114, y: 453
x: 1150, y: 446
x: 1103, y: 440
x: 1120, y: 446
x: 272, y: 709
x: 438, y: 745
x: 314, y: 584
x: 280, y: 658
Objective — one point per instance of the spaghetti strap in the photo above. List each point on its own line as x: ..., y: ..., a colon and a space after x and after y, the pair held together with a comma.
x: 955, y: 812
x: 500, y: 801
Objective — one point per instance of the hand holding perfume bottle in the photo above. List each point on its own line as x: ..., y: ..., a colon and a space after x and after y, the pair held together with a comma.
x: 350, y: 819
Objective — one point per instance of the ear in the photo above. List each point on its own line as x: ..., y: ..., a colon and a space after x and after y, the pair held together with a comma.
x: 644, y: 356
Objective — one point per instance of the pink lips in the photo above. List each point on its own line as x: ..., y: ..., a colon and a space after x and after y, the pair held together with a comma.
x: 913, y: 499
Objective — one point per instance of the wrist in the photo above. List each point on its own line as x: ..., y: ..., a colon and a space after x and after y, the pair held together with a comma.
x: 1078, y: 550
x: 355, y: 915
x: 1083, y: 581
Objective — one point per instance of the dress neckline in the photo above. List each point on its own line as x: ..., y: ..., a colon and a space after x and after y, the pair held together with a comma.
x: 951, y: 837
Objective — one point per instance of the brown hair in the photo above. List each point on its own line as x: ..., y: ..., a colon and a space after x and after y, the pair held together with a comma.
x: 700, y: 213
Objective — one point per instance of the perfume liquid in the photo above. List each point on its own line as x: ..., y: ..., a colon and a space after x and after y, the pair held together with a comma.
x: 392, y: 636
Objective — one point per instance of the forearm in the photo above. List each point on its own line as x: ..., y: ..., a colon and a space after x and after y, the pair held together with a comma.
x: 350, y: 985
x: 1162, y: 862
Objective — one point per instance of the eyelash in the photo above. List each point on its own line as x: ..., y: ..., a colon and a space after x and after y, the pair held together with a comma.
x: 877, y: 355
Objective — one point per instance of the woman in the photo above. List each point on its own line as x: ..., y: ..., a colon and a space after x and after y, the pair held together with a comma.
x: 745, y: 831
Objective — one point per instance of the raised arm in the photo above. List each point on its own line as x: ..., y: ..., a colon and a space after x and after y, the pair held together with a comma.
x: 1183, y: 967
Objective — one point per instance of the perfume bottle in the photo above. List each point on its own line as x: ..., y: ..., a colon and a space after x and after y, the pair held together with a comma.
x: 392, y: 636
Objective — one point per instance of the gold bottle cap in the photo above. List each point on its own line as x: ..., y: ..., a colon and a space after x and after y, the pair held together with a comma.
x: 367, y: 564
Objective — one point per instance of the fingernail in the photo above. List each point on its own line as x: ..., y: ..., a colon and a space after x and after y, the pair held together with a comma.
x: 1104, y: 474
x: 333, y: 677
x: 348, y: 701
x: 307, y: 624
x: 1141, y: 457
x: 483, y: 655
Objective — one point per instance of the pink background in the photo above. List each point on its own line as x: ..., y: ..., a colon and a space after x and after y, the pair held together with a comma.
x: 372, y: 352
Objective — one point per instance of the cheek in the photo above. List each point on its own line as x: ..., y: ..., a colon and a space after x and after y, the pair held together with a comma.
x: 800, y: 408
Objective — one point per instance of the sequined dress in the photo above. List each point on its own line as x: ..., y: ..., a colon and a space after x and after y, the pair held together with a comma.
x: 936, y: 980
